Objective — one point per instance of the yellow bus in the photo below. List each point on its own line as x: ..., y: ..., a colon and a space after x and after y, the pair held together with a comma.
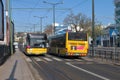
x: 69, y: 44
x: 35, y: 44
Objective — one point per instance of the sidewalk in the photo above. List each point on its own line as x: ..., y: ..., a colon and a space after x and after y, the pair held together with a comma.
x: 15, y: 68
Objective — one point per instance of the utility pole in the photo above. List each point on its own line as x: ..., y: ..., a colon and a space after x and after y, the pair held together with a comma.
x: 7, y: 22
x: 34, y: 27
x: 40, y: 22
x: 54, y: 5
x: 9, y: 25
x: 93, y: 34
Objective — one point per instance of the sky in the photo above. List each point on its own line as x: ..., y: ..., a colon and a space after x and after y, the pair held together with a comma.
x: 24, y: 19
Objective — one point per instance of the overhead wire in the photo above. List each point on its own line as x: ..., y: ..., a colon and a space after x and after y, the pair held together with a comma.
x: 30, y: 10
x: 75, y: 6
x: 33, y: 8
x: 37, y: 3
x: 82, y: 2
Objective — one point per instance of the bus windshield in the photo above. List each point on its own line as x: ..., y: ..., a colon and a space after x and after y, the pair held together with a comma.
x: 38, y: 42
x: 77, y: 36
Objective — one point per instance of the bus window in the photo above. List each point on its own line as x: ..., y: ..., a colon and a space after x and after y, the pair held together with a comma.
x: 37, y: 42
x: 77, y: 36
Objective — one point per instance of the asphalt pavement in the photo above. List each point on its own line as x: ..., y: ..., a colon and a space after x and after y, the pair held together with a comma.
x: 49, y: 67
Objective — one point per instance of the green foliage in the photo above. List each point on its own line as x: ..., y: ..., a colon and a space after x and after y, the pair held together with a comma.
x: 83, y: 22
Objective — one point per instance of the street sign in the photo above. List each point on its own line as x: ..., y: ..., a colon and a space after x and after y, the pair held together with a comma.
x: 113, y: 33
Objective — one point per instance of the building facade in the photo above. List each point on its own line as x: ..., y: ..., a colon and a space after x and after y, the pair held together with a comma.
x: 117, y: 14
x: 108, y: 38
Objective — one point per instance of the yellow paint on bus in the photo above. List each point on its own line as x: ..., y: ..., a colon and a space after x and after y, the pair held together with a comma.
x: 69, y: 44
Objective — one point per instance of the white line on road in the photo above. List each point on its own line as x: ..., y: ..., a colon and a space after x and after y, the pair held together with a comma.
x: 104, y: 78
x: 57, y: 59
x: 47, y: 59
x: 37, y: 59
x: 67, y: 59
x: 28, y: 60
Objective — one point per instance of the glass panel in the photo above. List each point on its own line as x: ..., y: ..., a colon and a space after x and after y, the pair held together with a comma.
x: 77, y: 36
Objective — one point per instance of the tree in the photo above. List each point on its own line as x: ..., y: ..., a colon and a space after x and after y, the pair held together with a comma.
x: 83, y: 22
x: 79, y: 22
x: 48, y: 30
x: 97, y: 30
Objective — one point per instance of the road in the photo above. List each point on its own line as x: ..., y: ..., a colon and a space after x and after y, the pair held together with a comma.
x: 50, y: 67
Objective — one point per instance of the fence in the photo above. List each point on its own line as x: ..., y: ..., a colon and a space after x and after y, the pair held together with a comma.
x: 107, y: 53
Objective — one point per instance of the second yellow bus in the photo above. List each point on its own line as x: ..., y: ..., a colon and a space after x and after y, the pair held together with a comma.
x: 69, y: 44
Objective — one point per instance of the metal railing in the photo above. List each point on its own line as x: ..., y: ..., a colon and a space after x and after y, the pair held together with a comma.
x: 106, y: 53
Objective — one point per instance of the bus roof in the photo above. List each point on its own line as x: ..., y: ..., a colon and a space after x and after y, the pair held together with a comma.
x: 36, y: 35
x: 60, y: 35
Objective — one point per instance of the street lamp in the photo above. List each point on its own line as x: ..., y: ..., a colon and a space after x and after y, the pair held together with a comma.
x: 40, y: 22
x: 54, y: 5
x: 93, y: 34
x: 34, y: 27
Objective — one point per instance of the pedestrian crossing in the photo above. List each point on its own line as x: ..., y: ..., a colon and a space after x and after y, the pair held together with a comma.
x: 47, y: 59
x: 50, y: 58
x: 28, y: 60
x: 38, y: 59
x: 57, y: 59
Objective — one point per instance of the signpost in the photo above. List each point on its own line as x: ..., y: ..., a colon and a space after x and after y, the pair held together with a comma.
x: 114, y: 37
x: 114, y: 40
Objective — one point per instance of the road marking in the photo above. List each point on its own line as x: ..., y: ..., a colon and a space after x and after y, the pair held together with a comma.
x: 37, y: 59
x: 57, y: 59
x: 104, y: 78
x: 47, y: 59
x: 67, y: 59
x: 28, y: 60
